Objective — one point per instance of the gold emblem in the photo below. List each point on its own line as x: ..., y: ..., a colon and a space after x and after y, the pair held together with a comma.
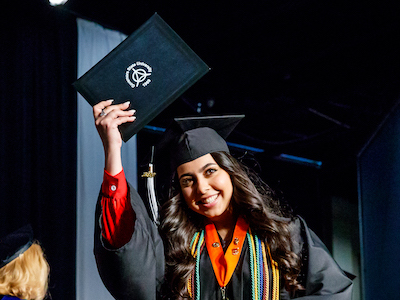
x: 236, y: 241
x: 215, y: 245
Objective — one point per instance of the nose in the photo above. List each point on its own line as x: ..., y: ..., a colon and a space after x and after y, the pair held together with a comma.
x: 202, y: 185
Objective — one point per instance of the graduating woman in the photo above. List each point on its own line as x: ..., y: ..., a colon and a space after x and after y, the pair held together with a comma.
x: 24, y: 271
x: 222, y: 233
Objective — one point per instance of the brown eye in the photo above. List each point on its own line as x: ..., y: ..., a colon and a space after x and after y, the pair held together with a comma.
x: 187, y: 181
x: 210, y: 171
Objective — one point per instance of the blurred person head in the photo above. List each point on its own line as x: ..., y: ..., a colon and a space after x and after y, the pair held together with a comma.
x: 24, y: 271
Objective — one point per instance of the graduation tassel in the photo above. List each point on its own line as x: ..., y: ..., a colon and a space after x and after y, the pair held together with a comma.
x: 151, y: 191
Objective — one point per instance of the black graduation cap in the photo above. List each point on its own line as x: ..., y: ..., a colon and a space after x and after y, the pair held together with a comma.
x: 185, y: 140
x: 192, y: 137
x: 151, y: 68
x: 14, y: 244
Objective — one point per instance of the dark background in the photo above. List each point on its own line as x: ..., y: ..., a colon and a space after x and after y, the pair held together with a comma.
x: 314, y: 79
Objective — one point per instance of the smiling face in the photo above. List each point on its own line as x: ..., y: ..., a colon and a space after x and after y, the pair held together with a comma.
x: 206, y: 187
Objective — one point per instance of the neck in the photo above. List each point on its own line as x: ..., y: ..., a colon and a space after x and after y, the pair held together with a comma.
x: 225, y: 225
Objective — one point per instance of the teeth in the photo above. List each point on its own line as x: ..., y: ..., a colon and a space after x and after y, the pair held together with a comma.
x: 210, y: 199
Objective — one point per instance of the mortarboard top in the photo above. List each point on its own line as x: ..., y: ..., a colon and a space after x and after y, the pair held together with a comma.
x: 192, y: 137
x: 151, y: 68
x: 14, y: 244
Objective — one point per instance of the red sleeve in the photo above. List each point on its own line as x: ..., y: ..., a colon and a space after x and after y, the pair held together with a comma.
x: 118, y: 217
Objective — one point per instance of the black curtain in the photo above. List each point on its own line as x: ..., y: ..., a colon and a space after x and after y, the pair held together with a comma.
x: 38, y: 131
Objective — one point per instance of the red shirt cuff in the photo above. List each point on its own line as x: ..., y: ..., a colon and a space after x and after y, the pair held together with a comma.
x: 114, y: 186
x: 118, y: 217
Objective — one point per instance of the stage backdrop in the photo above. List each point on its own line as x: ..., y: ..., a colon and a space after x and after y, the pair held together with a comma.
x: 379, y: 207
x: 94, y: 42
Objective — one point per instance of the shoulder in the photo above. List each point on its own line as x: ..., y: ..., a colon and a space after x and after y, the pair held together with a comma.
x: 296, y: 228
x: 302, y: 236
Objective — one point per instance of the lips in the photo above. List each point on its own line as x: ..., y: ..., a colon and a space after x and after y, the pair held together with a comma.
x: 208, y: 200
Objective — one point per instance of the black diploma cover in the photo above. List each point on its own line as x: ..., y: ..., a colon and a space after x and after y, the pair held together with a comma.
x: 151, y: 68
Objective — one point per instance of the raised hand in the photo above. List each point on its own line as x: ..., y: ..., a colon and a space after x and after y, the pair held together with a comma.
x: 107, y: 119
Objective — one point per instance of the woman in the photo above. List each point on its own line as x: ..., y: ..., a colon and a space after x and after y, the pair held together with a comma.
x: 222, y: 235
x: 24, y: 271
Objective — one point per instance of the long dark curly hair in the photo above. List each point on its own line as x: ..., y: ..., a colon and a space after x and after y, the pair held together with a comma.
x: 258, y: 205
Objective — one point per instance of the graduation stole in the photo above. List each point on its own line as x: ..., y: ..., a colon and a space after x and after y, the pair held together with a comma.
x: 263, y: 269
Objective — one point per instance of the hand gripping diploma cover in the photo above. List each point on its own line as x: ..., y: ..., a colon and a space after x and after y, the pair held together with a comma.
x: 151, y: 68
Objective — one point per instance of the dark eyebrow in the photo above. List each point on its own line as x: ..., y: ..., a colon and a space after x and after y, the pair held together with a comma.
x: 206, y: 166
x: 184, y: 175
x: 201, y: 170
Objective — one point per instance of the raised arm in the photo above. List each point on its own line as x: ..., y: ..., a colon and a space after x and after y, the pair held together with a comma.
x: 133, y: 267
x: 107, y: 119
x: 117, y: 215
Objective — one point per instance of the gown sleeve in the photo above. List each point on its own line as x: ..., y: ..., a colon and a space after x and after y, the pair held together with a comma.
x: 136, y: 269
x: 321, y: 276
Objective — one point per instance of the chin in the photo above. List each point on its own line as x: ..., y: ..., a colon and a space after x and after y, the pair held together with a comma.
x: 217, y: 215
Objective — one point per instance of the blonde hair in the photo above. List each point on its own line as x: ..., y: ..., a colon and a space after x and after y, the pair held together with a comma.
x: 27, y: 276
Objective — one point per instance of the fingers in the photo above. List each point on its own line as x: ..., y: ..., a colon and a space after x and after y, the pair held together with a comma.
x: 115, y: 118
x: 99, y: 107
x: 108, y: 117
x: 122, y: 120
x: 103, y: 108
x: 107, y: 126
x: 115, y: 108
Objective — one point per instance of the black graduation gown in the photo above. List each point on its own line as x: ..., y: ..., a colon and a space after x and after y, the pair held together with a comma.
x: 136, y: 270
